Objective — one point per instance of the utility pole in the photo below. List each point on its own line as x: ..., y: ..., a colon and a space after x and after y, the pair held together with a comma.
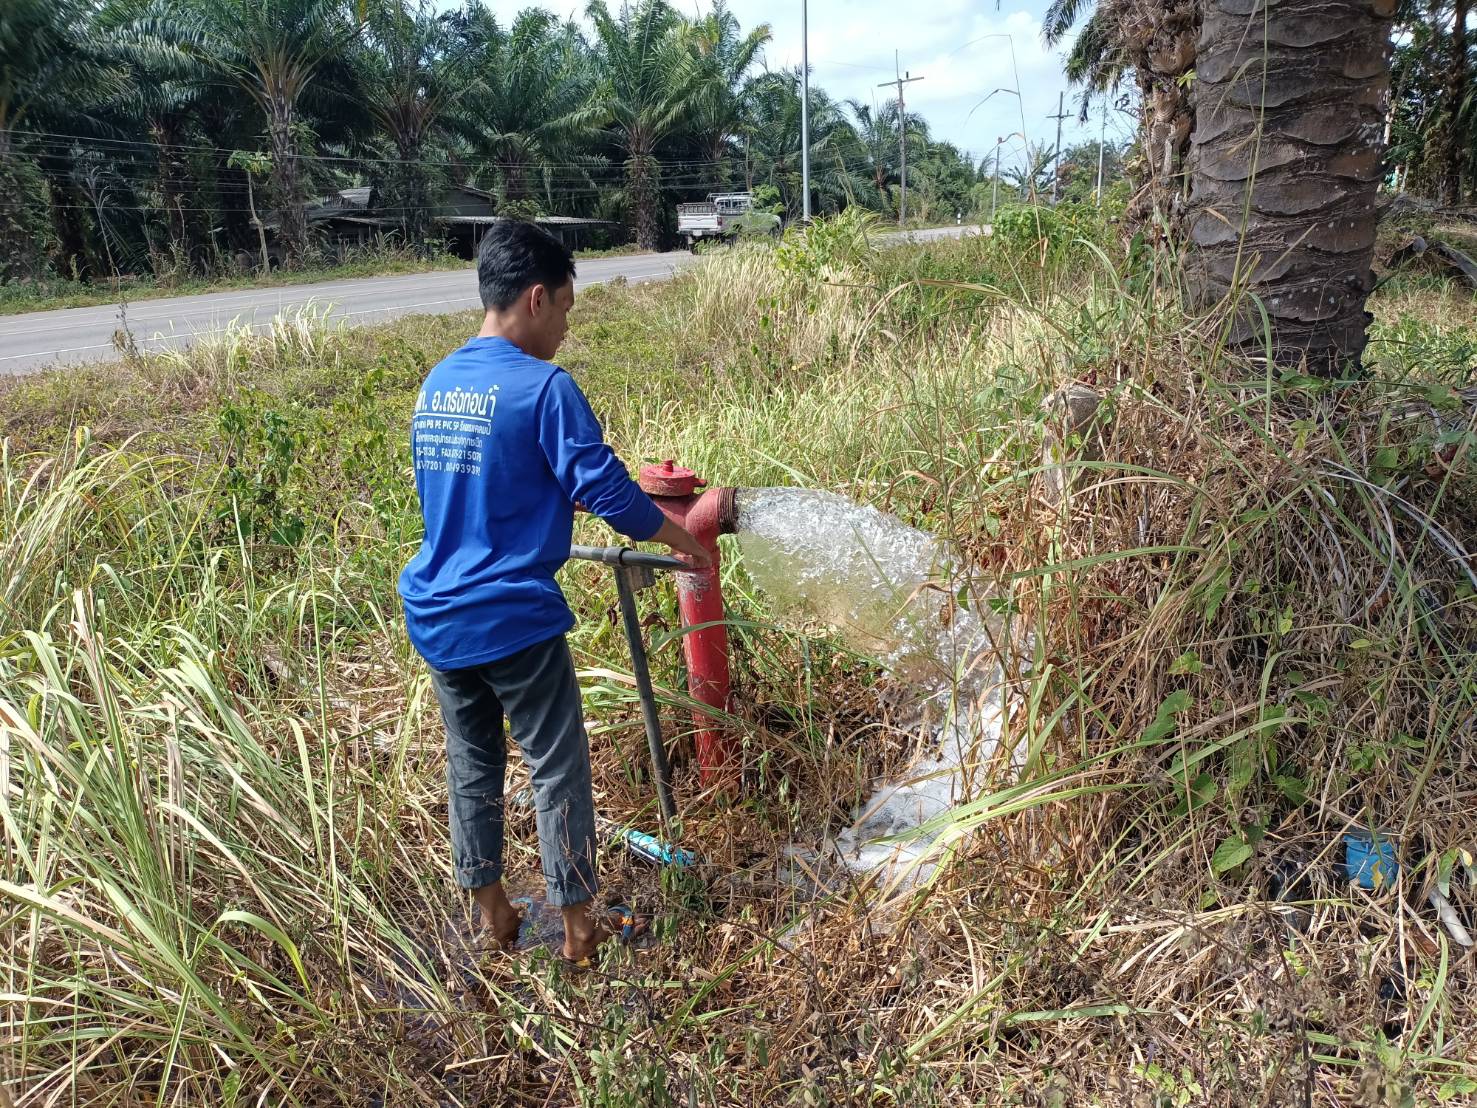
x: 1056, y: 165
x: 902, y: 134
x: 805, y: 110
x: 1102, y: 143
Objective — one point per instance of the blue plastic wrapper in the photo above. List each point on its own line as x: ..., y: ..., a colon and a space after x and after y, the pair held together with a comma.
x: 656, y: 851
x: 1369, y: 860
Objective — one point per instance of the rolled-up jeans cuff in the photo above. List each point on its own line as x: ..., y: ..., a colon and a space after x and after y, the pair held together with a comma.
x: 475, y: 877
x: 567, y: 896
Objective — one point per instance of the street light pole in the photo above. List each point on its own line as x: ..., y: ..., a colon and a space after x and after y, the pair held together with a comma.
x: 995, y: 187
x: 805, y: 110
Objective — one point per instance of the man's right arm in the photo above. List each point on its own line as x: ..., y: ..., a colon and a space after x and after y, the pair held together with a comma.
x: 591, y: 475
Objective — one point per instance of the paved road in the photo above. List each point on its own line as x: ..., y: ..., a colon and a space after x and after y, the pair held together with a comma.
x: 40, y: 339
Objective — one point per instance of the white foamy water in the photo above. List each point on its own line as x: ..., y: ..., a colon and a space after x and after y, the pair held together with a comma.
x: 894, y: 593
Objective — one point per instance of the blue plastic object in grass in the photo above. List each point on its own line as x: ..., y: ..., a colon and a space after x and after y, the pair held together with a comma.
x: 654, y: 850
x: 1369, y: 859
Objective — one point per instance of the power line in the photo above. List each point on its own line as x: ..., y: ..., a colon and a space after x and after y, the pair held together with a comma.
x: 61, y: 140
x: 97, y: 140
x: 564, y: 176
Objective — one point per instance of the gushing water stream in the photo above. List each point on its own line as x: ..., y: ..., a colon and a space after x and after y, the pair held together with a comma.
x: 893, y: 593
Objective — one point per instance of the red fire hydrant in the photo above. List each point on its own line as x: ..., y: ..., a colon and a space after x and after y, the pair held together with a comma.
x: 700, y: 602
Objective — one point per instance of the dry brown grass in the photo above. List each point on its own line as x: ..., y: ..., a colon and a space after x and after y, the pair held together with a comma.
x: 1240, y: 550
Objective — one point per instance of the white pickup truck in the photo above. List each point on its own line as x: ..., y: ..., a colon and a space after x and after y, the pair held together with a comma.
x: 724, y: 215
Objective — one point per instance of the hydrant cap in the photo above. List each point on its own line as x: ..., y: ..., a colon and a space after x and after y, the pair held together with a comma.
x: 668, y: 479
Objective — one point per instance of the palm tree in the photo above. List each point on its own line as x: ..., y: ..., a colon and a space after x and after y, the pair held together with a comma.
x: 170, y: 89
x: 839, y: 170
x: 56, y: 75
x: 876, y: 131
x: 412, y: 70
x: 1032, y: 177
x: 1427, y: 127
x: 1156, y: 39
x: 273, y: 49
x: 878, y: 137
x: 530, y: 112
x: 725, y: 56
x: 648, y: 87
x: 1098, y: 60
x: 1286, y: 164
x: 1456, y: 119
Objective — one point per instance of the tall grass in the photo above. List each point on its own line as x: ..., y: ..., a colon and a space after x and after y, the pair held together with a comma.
x: 1246, y: 630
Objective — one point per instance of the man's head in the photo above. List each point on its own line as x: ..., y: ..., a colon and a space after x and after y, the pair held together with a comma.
x: 526, y: 277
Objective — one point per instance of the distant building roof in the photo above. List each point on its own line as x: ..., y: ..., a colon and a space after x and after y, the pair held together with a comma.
x: 552, y: 220
x: 340, y: 202
x: 353, y: 205
x: 571, y: 221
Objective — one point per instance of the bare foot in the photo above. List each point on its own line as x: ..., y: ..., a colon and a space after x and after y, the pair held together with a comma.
x: 500, y: 918
x: 584, y: 931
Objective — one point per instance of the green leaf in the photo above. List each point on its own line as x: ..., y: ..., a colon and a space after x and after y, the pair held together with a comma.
x: 273, y: 932
x: 1164, y: 721
x: 1441, y: 396
x: 1200, y: 792
x: 1244, y: 758
x: 1294, y: 789
x: 1231, y: 853
x: 1188, y: 662
x: 1457, y: 1086
x: 1360, y: 644
x: 1444, y: 870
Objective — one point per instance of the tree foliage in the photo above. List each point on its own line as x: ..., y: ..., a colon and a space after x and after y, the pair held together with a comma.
x: 119, y: 118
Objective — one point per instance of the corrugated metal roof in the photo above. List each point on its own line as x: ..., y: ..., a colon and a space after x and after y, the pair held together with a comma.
x: 571, y: 220
x: 553, y: 220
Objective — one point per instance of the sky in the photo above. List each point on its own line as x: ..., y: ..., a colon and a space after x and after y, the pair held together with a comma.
x: 961, y: 48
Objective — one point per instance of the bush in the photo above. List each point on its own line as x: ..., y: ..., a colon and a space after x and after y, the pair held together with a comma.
x: 1050, y: 236
x: 827, y: 245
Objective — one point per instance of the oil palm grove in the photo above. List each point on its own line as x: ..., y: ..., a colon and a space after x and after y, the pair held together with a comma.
x: 1260, y: 158
x: 205, y: 110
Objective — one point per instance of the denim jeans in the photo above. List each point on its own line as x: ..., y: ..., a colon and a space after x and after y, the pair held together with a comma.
x: 537, y: 691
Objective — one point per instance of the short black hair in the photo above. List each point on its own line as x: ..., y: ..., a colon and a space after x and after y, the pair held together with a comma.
x: 516, y: 255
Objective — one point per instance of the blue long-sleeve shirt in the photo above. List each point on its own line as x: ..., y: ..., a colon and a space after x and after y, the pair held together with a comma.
x: 504, y: 444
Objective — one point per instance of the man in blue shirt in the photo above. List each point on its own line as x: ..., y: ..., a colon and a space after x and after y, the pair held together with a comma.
x: 505, y: 446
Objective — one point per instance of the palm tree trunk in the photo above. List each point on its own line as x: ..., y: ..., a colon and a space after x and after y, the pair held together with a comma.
x: 718, y: 160
x: 409, y: 193
x: 22, y: 215
x: 174, y: 177
x: 1161, y: 39
x: 292, y: 220
x: 645, y: 194
x: 1449, y: 142
x: 1285, y: 167
x: 72, y: 252
x: 515, y: 178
